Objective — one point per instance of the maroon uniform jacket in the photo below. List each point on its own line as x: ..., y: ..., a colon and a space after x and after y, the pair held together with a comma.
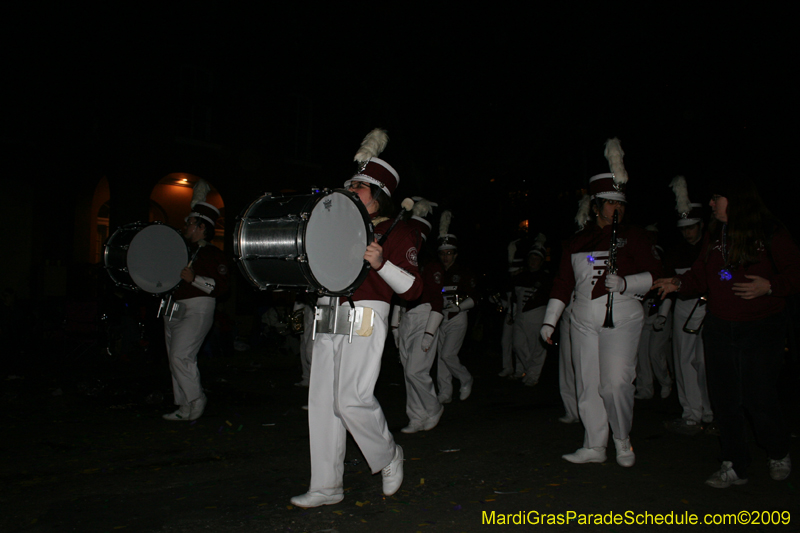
x: 635, y: 254
x: 537, y: 284
x: 458, y: 281
x: 209, y: 262
x: 401, y: 249
x: 783, y: 272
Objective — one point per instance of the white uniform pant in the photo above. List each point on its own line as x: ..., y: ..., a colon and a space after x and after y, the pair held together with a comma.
x: 605, y: 366
x: 421, y: 401
x: 341, y: 399
x: 566, y: 370
x: 451, y: 336
x: 654, y: 351
x: 527, y: 341
x: 306, y: 344
x: 690, y: 367
x: 184, y: 337
x: 506, y: 344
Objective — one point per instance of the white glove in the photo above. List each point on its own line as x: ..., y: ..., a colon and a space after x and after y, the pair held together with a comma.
x: 396, y: 335
x: 451, y: 308
x: 615, y: 283
x: 658, y: 325
x: 546, y: 333
x: 427, y: 341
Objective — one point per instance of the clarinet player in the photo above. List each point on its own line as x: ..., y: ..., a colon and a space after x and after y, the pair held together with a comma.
x: 606, y: 312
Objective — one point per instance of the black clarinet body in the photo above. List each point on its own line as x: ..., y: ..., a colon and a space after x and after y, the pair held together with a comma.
x: 612, y: 269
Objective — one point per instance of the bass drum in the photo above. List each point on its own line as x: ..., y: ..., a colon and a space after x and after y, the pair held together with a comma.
x: 147, y: 257
x: 314, y: 242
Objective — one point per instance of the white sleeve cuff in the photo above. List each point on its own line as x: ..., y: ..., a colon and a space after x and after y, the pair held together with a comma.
x: 204, y: 284
x: 638, y: 284
x: 397, y: 278
x: 467, y: 304
x: 434, y: 319
x: 666, y: 305
x: 553, y: 312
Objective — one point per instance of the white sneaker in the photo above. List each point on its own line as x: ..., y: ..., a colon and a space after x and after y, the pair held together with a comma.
x: 466, y: 389
x: 393, y: 473
x: 198, y: 406
x: 183, y: 413
x: 431, y: 423
x: 530, y: 382
x: 315, y: 499
x: 303, y: 383
x: 586, y: 455
x: 412, y: 427
x: 625, y: 455
x: 725, y: 477
x: 505, y: 373
x: 567, y: 419
x: 780, y: 469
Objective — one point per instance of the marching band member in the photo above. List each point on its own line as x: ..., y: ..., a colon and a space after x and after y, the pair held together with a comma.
x: 418, y: 333
x: 531, y: 290
x: 654, y: 343
x: 459, y: 297
x: 343, y: 374
x: 190, y: 315
x: 690, y: 366
x: 604, y: 357
x: 515, y: 264
x: 748, y: 264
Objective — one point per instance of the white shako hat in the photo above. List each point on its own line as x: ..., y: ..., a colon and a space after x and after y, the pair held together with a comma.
x: 689, y: 213
x: 200, y: 208
x: 609, y: 185
x: 422, y: 213
x: 447, y: 241
x: 372, y: 169
x: 538, y: 246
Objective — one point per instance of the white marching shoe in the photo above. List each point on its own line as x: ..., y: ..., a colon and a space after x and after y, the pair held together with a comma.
x: 315, y: 499
x: 625, y: 455
x: 183, y: 413
x: 586, y: 455
x: 198, y: 406
x: 431, y: 423
x: 393, y: 472
x: 466, y: 389
x: 412, y: 427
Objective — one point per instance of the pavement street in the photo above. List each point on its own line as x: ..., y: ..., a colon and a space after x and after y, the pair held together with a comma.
x: 85, y: 449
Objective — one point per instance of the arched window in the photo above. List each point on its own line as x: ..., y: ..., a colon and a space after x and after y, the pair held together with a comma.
x: 170, y: 203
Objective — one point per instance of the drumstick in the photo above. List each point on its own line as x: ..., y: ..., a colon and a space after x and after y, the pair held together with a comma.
x: 407, y: 205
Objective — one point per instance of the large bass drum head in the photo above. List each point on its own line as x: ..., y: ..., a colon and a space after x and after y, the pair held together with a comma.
x: 336, y: 237
x: 156, y: 256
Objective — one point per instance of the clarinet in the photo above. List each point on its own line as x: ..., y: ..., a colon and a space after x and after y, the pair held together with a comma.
x: 612, y: 269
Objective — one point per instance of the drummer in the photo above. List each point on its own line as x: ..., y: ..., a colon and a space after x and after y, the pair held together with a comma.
x: 203, y: 280
x: 343, y: 374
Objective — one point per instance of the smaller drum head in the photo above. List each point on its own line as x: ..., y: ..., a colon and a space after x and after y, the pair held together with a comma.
x: 156, y: 256
x: 335, y: 241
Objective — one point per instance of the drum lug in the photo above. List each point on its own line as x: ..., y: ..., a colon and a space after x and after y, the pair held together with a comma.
x: 304, y: 216
x: 302, y: 258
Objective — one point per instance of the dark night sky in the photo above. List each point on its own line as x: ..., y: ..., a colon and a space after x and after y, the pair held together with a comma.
x: 467, y: 95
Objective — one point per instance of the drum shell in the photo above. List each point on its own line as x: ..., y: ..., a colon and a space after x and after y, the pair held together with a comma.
x: 271, y: 242
x: 160, y: 254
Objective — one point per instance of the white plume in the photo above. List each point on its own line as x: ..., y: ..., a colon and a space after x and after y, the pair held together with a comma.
x: 373, y: 144
x: 422, y: 207
x: 407, y: 204
x: 201, y: 190
x: 583, y: 211
x: 614, y: 155
x: 682, y: 203
x: 444, y: 223
x: 540, y: 240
